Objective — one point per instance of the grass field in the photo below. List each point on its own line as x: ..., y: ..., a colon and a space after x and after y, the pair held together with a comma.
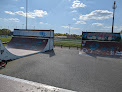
x: 67, y: 44
x: 7, y: 39
x: 68, y: 40
x: 57, y: 42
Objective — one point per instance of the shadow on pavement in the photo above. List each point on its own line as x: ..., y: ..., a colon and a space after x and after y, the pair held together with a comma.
x: 96, y: 55
x: 51, y: 53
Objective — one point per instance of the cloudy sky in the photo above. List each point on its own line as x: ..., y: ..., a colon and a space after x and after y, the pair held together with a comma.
x: 80, y: 15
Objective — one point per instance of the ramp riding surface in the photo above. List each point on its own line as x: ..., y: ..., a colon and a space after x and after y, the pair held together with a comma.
x: 24, y: 46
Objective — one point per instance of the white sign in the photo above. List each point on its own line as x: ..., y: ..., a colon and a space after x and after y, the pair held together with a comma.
x: 34, y: 33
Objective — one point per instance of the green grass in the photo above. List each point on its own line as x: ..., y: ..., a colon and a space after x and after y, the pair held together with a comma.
x: 68, y: 40
x: 67, y: 44
x: 3, y: 39
x: 63, y: 42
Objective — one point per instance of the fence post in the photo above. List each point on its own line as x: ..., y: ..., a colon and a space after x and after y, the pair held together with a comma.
x: 77, y: 47
x: 61, y: 46
x: 69, y: 47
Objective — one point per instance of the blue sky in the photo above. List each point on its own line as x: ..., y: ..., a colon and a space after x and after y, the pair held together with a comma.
x: 80, y: 15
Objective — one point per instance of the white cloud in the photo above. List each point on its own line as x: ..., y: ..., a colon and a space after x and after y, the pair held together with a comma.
x: 65, y: 26
x: 97, y: 15
x: 43, y: 23
x: 80, y: 22
x: 74, y: 11
x: 14, y: 19
x: 75, y: 28
x: 105, y: 29
x: 21, y: 7
x: 77, y: 4
x: 70, y: 27
x: 73, y: 18
x: 120, y: 28
x: 21, y: 13
x: 11, y: 19
x: 9, y: 12
x: 97, y: 24
x: 34, y: 14
x: 109, y: 27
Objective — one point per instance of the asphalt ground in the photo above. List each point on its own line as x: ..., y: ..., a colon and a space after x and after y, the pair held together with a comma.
x: 12, y: 84
x: 67, y: 69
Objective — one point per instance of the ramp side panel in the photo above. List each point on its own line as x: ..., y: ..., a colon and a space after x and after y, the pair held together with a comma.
x: 5, y: 54
x: 51, y: 43
x: 47, y: 47
x: 101, y: 36
x: 34, y: 33
x: 102, y: 48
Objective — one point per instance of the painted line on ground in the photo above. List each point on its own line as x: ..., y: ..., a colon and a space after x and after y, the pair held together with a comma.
x: 44, y: 86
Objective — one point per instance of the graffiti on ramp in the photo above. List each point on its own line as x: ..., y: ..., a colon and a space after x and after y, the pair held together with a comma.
x: 91, y: 44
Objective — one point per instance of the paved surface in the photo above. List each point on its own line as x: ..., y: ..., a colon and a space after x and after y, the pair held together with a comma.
x: 67, y: 69
x: 11, y: 84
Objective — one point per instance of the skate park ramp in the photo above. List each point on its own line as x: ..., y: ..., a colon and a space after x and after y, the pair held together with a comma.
x: 26, y: 43
x: 99, y: 43
x: 19, y: 45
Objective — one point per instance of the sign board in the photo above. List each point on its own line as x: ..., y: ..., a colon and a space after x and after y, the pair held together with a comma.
x: 38, y: 33
x: 101, y: 36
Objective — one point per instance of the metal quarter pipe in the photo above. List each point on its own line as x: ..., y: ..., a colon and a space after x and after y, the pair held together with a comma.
x: 21, y: 46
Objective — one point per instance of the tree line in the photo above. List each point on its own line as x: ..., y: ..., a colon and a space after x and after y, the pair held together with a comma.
x: 66, y: 34
x: 5, y: 31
